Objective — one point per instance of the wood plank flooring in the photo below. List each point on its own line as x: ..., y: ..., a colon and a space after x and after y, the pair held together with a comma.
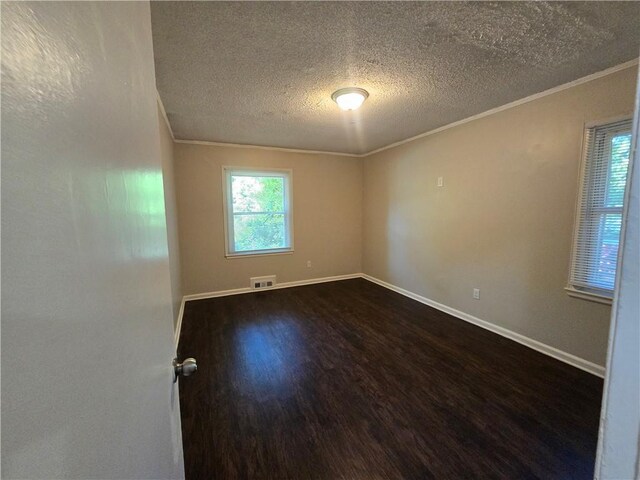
x: 348, y: 380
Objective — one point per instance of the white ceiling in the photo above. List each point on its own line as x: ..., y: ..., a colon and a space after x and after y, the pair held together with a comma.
x: 262, y: 73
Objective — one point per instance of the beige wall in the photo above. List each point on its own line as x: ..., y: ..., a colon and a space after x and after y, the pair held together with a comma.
x: 503, y: 220
x: 171, y: 212
x: 327, y: 209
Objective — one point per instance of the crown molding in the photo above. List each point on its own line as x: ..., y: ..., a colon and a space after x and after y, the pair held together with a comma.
x: 265, y: 147
x: 501, y: 108
x: 164, y: 115
x: 515, y: 103
x: 240, y: 145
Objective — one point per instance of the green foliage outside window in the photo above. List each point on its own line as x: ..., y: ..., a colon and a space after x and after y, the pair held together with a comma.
x: 258, y: 212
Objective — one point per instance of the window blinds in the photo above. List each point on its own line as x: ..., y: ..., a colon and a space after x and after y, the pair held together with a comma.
x: 600, y: 204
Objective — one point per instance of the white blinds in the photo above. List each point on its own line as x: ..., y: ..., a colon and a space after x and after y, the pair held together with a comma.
x: 595, y: 255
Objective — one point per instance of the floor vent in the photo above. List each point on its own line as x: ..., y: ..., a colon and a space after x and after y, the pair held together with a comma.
x: 257, y: 283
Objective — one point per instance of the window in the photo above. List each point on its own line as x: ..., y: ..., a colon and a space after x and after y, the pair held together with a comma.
x: 258, y: 213
x: 599, y: 218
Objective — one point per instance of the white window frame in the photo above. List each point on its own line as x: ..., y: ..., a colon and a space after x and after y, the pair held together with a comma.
x: 229, y: 241
x: 572, y: 289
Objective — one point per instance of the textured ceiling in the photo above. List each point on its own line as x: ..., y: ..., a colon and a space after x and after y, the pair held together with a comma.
x: 262, y: 73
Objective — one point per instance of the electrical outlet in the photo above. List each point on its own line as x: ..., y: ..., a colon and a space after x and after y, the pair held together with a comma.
x: 440, y: 182
x: 308, y: 263
x: 476, y: 293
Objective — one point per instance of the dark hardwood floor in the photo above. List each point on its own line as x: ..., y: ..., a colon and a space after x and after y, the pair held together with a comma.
x: 348, y: 380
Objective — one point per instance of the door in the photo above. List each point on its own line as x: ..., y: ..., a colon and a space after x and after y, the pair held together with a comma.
x: 87, y: 388
x: 619, y: 440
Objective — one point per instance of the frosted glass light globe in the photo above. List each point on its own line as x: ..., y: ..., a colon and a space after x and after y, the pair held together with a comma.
x: 350, y: 98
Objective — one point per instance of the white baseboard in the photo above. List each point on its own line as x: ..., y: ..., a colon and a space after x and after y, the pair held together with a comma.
x: 179, y: 324
x: 565, y: 357
x: 240, y: 291
x: 297, y: 283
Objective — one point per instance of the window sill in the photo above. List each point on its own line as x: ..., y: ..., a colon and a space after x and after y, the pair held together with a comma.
x: 262, y: 253
x: 592, y: 297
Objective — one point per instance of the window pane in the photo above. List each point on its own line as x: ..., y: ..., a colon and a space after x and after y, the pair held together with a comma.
x: 600, y: 206
x: 257, y: 194
x: 259, y: 232
x: 604, y: 274
x: 618, y: 166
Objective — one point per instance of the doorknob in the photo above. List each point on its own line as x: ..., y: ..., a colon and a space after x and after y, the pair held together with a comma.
x: 186, y: 368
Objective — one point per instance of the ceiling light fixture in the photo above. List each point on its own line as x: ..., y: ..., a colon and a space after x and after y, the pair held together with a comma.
x: 350, y: 98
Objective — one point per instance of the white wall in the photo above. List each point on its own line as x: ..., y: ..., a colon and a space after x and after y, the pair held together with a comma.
x: 87, y: 338
x: 619, y: 442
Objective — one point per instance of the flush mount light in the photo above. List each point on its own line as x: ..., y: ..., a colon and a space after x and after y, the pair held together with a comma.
x: 349, y: 98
